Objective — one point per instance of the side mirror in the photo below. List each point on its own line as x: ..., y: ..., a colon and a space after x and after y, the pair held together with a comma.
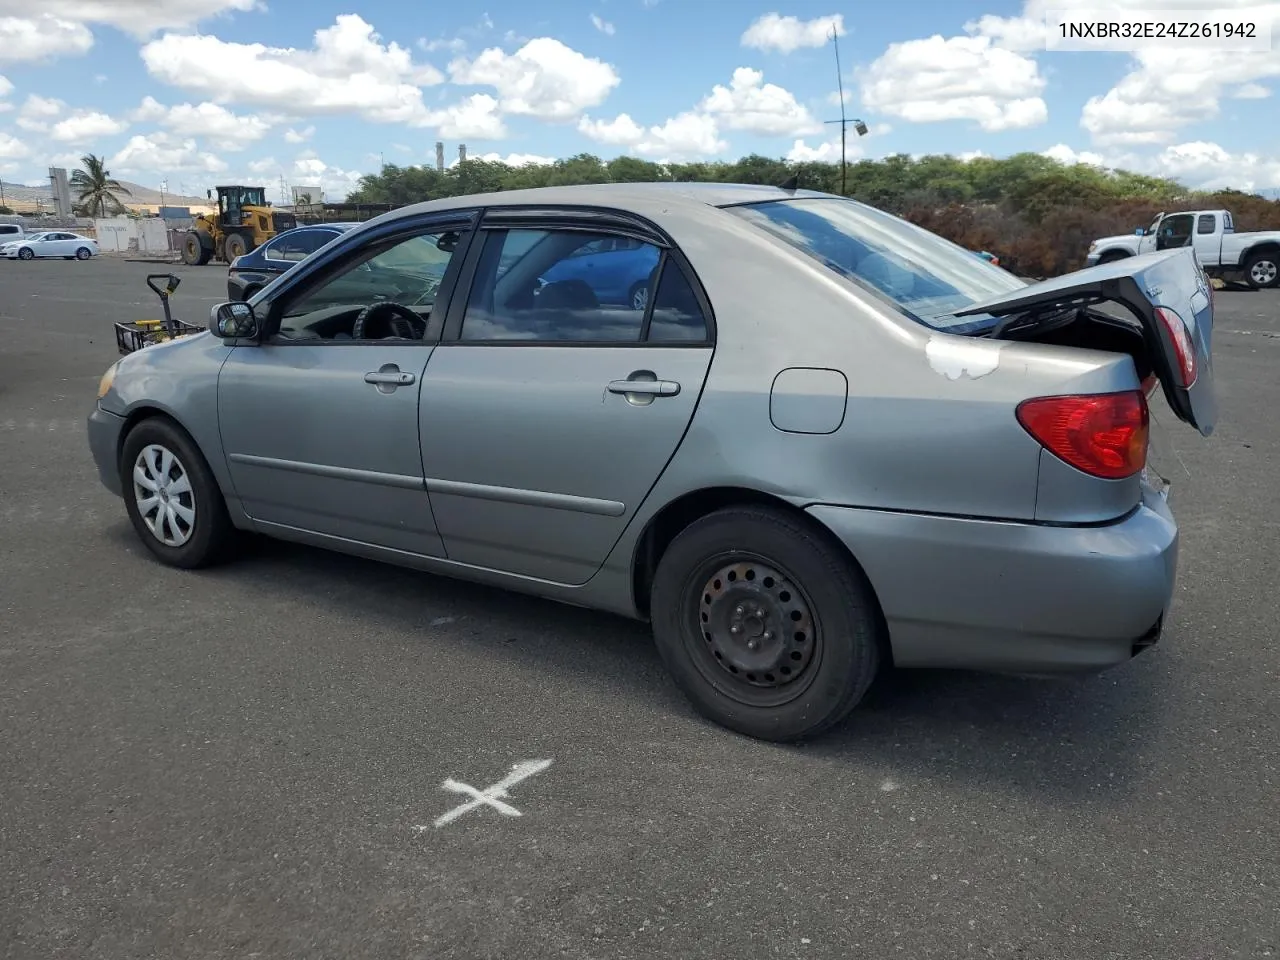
x: 233, y: 321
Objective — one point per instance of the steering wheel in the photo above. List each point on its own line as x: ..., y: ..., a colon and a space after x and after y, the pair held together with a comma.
x: 397, y: 319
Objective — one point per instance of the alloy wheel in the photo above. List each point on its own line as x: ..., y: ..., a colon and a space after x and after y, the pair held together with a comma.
x: 1263, y: 272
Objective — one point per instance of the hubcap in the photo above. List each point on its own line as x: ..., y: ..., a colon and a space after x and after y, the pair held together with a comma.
x: 640, y: 299
x: 1264, y: 271
x: 162, y: 491
x: 756, y: 624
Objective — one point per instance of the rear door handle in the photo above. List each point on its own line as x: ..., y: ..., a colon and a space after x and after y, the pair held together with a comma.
x: 398, y: 378
x: 652, y: 388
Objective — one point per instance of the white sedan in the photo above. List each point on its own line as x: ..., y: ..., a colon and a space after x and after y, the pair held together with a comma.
x: 53, y: 243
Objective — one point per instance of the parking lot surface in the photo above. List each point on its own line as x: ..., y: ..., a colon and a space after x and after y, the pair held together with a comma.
x: 251, y: 761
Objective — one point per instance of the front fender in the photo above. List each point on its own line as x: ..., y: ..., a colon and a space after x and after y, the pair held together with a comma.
x: 180, y: 380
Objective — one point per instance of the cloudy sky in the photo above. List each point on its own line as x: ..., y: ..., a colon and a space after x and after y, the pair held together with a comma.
x: 197, y: 92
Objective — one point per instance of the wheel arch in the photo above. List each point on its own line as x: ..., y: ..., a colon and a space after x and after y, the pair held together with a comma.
x: 1265, y: 246
x: 149, y: 410
x: 1113, y: 253
x: 665, y: 525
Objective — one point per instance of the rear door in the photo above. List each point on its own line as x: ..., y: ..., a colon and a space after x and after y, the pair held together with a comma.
x: 1168, y: 294
x: 548, y: 413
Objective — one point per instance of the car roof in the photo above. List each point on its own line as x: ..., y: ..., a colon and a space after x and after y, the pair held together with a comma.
x: 618, y: 195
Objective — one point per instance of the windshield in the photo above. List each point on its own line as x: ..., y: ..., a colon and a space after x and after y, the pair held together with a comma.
x: 926, y: 277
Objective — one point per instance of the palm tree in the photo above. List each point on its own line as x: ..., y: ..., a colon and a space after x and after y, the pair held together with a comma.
x: 97, y: 187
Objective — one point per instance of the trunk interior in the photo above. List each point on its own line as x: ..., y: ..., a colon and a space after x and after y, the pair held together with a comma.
x: 1087, y: 328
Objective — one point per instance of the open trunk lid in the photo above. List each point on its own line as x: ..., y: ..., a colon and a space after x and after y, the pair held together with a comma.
x: 1169, y: 295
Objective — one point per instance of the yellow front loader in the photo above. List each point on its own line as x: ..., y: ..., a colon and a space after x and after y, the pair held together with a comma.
x: 244, y: 221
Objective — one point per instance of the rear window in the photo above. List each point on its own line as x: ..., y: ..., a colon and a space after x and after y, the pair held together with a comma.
x: 924, y: 276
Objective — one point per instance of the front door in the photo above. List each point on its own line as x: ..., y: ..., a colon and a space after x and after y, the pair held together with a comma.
x: 320, y: 420
x: 549, y: 413
x: 1175, y: 231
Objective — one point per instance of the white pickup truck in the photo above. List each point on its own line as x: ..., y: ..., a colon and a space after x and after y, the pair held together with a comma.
x: 1250, y: 257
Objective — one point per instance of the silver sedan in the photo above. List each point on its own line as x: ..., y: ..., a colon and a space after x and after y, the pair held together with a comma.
x: 822, y: 442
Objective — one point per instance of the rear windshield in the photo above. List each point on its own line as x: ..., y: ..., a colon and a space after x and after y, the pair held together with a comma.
x: 926, y: 277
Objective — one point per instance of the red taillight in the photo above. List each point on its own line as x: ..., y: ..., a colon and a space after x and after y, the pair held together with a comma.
x: 1177, y: 331
x: 1104, y: 434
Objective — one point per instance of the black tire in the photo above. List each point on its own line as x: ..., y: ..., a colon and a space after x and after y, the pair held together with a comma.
x: 26, y: 253
x: 194, y: 251
x: 211, y: 533
x: 802, y: 681
x: 1262, y: 270
x: 84, y: 253
x: 234, y: 245
x: 1112, y: 256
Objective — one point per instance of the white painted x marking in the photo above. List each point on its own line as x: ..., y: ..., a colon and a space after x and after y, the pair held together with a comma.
x: 490, y: 796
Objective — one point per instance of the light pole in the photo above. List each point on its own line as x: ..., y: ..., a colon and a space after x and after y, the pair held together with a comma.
x: 858, y: 125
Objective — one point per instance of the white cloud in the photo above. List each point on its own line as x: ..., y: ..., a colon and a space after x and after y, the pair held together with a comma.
x: 141, y: 18
x: 309, y: 169
x: 829, y: 152
x: 475, y: 118
x: 452, y: 45
x: 38, y: 113
x: 544, y: 79
x: 511, y: 159
x: 11, y: 148
x: 604, y: 26
x: 1065, y: 154
x: 1199, y: 164
x: 349, y: 71
x: 1019, y: 34
x: 163, y: 153
x: 207, y: 120
x: 788, y: 34
x: 52, y: 117
x: 299, y: 136
x: 621, y: 131
x: 86, y: 126
x: 762, y: 108
x: 44, y: 38
x: 1165, y: 89
x: 689, y: 135
x: 956, y: 78
x: 1250, y: 91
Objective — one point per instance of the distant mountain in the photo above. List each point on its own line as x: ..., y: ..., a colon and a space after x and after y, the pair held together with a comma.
x: 16, y: 194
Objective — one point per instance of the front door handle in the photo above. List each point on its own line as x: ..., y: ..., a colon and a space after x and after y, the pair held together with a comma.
x: 393, y: 377
x: 649, y: 388
x: 388, y: 378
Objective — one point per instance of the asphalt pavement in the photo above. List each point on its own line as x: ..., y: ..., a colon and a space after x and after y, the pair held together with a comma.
x: 250, y: 761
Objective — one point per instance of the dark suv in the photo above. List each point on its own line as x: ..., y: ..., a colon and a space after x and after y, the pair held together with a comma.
x: 254, y: 270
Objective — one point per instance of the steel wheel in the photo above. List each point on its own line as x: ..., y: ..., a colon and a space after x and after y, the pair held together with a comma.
x: 164, y: 496
x: 764, y: 624
x: 640, y: 298
x: 1263, y: 272
x: 759, y: 632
